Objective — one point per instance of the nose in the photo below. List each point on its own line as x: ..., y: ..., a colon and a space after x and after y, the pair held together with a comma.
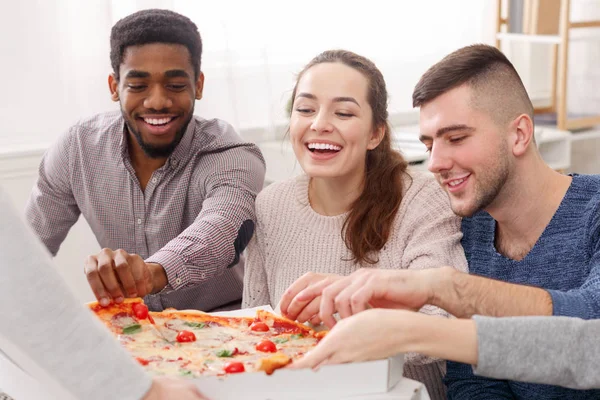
x: 439, y: 160
x: 158, y: 99
x: 321, y: 123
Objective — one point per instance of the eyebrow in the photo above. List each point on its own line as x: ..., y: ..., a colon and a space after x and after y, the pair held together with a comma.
x: 177, y: 73
x: 172, y: 73
x: 134, y: 73
x: 335, y: 99
x: 446, y: 129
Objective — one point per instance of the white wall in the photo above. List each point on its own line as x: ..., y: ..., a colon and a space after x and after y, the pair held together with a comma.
x: 55, y: 63
x: 58, y: 54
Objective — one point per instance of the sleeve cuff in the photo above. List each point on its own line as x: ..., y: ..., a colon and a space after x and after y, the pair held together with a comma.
x: 178, y: 275
x: 568, y: 304
x: 485, y: 355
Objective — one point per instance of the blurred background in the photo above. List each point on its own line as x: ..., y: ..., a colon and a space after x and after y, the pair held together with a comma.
x: 55, y: 64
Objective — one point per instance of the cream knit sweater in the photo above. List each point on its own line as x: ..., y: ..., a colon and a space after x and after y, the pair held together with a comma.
x: 292, y: 239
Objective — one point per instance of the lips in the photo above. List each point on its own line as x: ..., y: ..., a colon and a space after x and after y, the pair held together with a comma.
x: 158, y: 125
x: 323, y: 150
x: 456, y: 184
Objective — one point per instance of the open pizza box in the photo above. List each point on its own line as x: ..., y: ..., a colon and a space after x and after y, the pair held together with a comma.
x: 356, y: 380
x: 21, y: 377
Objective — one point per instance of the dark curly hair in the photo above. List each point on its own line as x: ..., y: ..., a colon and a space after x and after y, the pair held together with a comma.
x: 154, y: 26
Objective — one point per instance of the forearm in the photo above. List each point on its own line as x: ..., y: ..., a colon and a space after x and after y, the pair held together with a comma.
x: 256, y: 286
x: 52, y: 208
x: 201, y: 252
x: 50, y: 214
x: 522, y: 349
x: 447, y: 339
x: 464, y: 295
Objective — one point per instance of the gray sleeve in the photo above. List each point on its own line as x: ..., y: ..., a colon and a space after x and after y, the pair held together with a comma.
x: 552, y: 350
x: 40, y: 316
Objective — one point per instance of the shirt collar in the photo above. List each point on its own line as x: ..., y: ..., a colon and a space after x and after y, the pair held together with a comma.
x: 183, y: 150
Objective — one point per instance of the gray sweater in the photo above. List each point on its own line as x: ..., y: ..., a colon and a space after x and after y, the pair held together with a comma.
x: 40, y: 316
x: 558, y: 351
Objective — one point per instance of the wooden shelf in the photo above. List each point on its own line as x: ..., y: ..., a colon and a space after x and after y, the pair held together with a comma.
x: 568, y: 31
x: 521, y: 37
x: 592, y: 134
x: 549, y: 39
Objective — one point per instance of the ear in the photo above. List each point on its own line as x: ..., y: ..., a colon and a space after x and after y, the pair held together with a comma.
x: 199, y: 86
x: 113, y: 86
x: 522, y: 134
x: 376, y: 137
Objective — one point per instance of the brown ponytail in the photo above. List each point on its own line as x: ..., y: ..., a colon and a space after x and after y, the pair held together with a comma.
x: 368, y: 226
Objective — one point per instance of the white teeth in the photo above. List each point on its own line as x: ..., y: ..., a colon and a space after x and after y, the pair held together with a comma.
x: 157, y: 121
x: 456, y: 182
x: 324, y: 146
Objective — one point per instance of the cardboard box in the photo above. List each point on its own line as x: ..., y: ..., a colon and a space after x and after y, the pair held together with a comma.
x: 373, y: 380
x: 329, y: 382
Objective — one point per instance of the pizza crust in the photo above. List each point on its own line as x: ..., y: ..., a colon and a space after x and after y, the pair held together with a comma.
x: 271, y: 363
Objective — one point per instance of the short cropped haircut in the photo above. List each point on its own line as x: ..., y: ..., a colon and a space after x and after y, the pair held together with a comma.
x: 154, y: 26
x: 496, y: 85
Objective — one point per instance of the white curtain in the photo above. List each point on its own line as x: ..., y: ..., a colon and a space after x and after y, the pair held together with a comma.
x: 252, y: 51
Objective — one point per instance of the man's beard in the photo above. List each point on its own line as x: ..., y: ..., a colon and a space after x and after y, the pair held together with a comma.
x: 153, y: 151
x: 491, y: 184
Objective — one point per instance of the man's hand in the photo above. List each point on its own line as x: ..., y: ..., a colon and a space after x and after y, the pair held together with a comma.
x: 377, y: 288
x: 118, y: 274
x: 164, y: 388
x: 301, y: 301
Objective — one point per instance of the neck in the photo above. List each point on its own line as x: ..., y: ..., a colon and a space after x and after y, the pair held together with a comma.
x: 143, y: 165
x: 334, y: 196
x: 528, y: 202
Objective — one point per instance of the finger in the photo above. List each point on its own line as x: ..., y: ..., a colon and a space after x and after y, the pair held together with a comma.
x: 124, y: 272
x: 141, y: 275
x: 359, y: 301
x: 328, y: 296
x: 309, y: 310
x: 291, y: 292
x: 108, y: 276
x: 343, y: 299
x: 308, y: 295
x: 315, y: 357
x: 93, y: 278
x: 315, y: 289
x: 315, y: 320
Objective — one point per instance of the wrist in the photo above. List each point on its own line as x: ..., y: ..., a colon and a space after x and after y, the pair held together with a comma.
x: 408, y: 330
x: 444, y: 338
x: 440, y: 283
x: 158, y: 275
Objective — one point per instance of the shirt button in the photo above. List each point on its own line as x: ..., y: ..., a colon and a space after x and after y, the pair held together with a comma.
x: 154, y: 180
x: 178, y: 281
x: 203, y: 275
x: 139, y: 221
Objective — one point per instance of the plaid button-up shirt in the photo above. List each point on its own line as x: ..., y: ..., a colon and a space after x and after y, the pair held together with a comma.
x: 195, y: 216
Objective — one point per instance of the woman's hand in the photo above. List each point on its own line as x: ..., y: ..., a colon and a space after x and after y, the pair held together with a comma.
x: 302, y: 300
x: 370, y: 335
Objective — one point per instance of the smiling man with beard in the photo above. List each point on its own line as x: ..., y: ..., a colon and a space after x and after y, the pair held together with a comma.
x: 169, y: 195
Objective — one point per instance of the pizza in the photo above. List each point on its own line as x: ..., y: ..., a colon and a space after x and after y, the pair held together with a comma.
x: 193, y: 343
